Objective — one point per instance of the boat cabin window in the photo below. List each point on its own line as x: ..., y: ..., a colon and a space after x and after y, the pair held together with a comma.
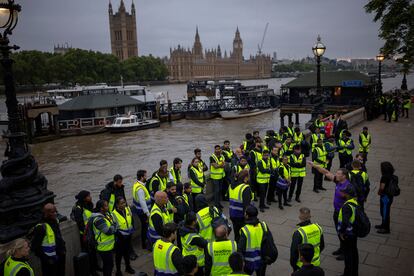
x: 126, y: 121
x: 118, y: 121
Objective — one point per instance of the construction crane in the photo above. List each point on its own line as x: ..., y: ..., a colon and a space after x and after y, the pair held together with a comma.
x: 260, y: 46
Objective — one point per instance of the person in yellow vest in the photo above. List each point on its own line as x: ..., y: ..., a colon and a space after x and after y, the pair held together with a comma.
x: 283, y: 182
x: 218, y: 253
x: 319, y: 154
x: 262, y: 178
x: 290, y: 129
x: 142, y: 204
x: 217, y: 175
x: 298, y: 137
x: 250, y: 243
x: 192, y: 242
x: 360, y: 181
x: 297, y: 163
x: 228, y: 158
x: 113, y: 190
x: 123, y: 219
x: 238, y: 167
x: 48, y: 243
x: 274, y: 174
x: 364, y: 143
x: 201, y: 164
x: 319, y: 123
x: 316, y: 135
x: 159, y: 217
x: 205, y: 215
x: 167, y: 257
x: 104, y: 230
x: 159, y: 179
x: 197, y: 180
x: 240, y: 197
x: 17, y: 258
x: 236, y: 264
x: 174, y: 173
x: 255, y: 155
x: 345, y: 147
x: 306, y: 254
x: 248, y: 144
x: 406, y: 105
x: 287, y: 147
x: 81, y: 213
x: 306, y: 232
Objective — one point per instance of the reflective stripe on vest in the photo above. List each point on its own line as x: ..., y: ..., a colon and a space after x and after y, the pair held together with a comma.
x: 321, y: 156
x: 257, y: 156
x: 162, y: 183
x: 12, y: 267
x: 152, y: 233
x: 263, y: 178
x: 239, y: 168
x: 220, y: 252
x: 349, y: 229
x: 176, y: 177
x: 254, y: 237
x: 111, y: 203
x: 311, y: 234
x: 139, y: 186
x: 105, y: 242
x: 228, y: 153
x: 236, y: 206
x: 163, y: 264
x: 217, y: 173
x: 125, y: 226
x: 364, y: 146
x: 49, y: 241
x: 315, y: 138
x: 189, y: 249
x: 344, y: 146
x: 298, y: 172
x: 200, y: 176
x: 286, y: 171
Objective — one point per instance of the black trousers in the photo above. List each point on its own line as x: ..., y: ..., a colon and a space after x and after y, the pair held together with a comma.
x: 144, y: 229
x: 107, y: 261
x: 385, y: 209
x: 122, y: 250
x: 271, y: 191
x: 224, y: 189
x: 238, y: 223
x: 296, y: 181
x: 217, y: 191
x: 194, y: 195
x: 52, y: 267
x: 351, y: 256
x: 335, y: 219
x: 281, y: 193
x: 259, y: 272
x: 317, y: 180
x: 344, y: 159
x: 329, y: 165
x: 262, y: 193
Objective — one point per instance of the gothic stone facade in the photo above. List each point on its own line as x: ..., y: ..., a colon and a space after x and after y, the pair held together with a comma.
x: 186, y: 64
x: 123, y: 32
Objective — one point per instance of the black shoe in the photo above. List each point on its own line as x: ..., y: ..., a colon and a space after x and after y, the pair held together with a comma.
x: 322, y: 189
x: 269, y: 203
x: 280, y: 207
x: 383, y: 231
x: 298, y: 200
x: 133, y: 256
x: 287, y: 204
x: 129, y: 270
x: 379, y: 226
x: 340, y: 257
x: 289, y: 199
x: 315, y: 191
x: 337, y: 252
x: 262, y: 210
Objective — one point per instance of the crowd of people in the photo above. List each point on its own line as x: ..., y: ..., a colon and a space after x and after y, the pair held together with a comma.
x: 393, y: 105
x: 189, y: 235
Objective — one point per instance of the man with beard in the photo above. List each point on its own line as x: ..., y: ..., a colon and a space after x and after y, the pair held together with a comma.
x: 159, y: 179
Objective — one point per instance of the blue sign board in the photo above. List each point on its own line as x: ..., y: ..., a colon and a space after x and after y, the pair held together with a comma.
x: 352, y: 83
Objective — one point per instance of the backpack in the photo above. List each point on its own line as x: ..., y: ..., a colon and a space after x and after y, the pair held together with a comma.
x: 393, y: 189
x: 362, y: 223
x: 358, y: 182
x: 89, y: 235
x: 269, y: 251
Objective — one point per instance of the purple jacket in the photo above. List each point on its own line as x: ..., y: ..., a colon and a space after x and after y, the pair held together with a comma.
x: 339, y: 200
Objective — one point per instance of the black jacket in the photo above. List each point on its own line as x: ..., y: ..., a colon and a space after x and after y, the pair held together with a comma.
x: 338, y: 127
x: 110, y: 189
x: 158, y: 223
x: 77, y: 212
x: 40, y: 232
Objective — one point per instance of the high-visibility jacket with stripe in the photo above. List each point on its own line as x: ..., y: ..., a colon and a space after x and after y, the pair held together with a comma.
x: 254, y: 238
x: 220, y: 252
x: 344, y: 147
x: 236, y: 207
x: 228, y: 153
x: 104, y: 242
x: 350, y: 229
x: 139, y: 186
x: 12, y: 267
x: 204, y: 222
x: 200, y: 176
x: 176, y: 176
x: 365, y: 142
x: 311, y: 234
x: 297, y: 160
x: 189, y: 249
x: 263, y: 178
x: 298, y: 138
x: 315, y: 137
x: 162, y: 183
x: 257, y: 156
x: 217, y: 173
x: 165, y: 216
x: 162, y: 255
x: 321, y: 152
x: 124, y: 223
x: 86, y: 214
x: 49, y: 240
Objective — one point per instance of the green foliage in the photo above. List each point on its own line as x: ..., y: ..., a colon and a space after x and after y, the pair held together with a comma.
x: 83, y: 67
x: 396, y: 29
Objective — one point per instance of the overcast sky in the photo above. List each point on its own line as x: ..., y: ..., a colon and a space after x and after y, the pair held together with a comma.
x: 345, y: 28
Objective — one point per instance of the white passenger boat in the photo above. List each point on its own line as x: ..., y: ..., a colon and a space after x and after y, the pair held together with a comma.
x: 131, y: 123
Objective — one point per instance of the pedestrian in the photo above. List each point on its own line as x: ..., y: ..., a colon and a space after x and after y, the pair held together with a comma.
x: 142, y: 204
x: 297, y: 163
x: 306, y: 233
x: 274, y: 174
x: 192, y: 243
x: 217, y: 175
x: 239, y: 166
x: 347, y: 225
x: 196, y: 179
x: 218, y: 253
x: 113, y: 190
x: 122, y: 216
x: 386, y: 199
x: 262, y: 178
x: 248, y: 144
x: 187, y: 197
x: 306, y: 253
x: 319, y: 123
x: 287, y: 147
x: 341, y: 184
x: 17, y: 259
x: 360, y: 180
x: 48, y: 243
x: 364, y: 143
x: 201, y: 164
x: 172, y: 203
x: 283, y: 182
x: 319, y: 154
x: 174, y: 173
x: 228, y: 158
x: 345, y: 147
x: 255, y: 156
x: 316, y: 135
x: 406, y: 105
x: 240, y: 198
x: 236, y: 264
x: 190, y: 266
x: 205, y: 215
x: 389, y: 107
x: 250, y: 243
x: 339, y: 125
x: 167, y: 257
x: 104, y: 230
x: 81, y: 213
x: 330, y: 147
x: 159, y: 217
x: 159, y: 179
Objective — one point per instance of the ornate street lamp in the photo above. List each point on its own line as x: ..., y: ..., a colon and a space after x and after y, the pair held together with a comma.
x: 318, y: 50
x: 380, y: 58
x: 23, y: 190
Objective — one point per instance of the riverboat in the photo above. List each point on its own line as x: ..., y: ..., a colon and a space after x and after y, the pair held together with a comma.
x: 131, y: 123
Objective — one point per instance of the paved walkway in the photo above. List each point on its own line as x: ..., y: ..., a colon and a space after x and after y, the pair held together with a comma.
x: 378, y: 254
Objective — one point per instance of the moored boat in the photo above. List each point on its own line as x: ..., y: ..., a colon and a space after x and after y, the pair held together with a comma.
x: 131, y: 123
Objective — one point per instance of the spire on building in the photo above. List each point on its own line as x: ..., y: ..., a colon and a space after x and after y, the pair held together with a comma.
x: 132, y: 7
x: 122, y: 6
x: 197, y: 36
x: 110, y: 8
x: 218, y: 51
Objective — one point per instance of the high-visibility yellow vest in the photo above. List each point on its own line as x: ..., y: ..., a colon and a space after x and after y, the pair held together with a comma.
x: 321, y: 156
x: 365, y: 142
x: 200, y: 176
x: 176, y: 176
x: 319, y: 124
x: 364, y: 175
x: 344, y: 144
x: 254, y: 237
x: 162, y: 183
x: 12, y: 267
x: 263, y: 178
x: 311, y: 234
x: 274, y: 162
x: 105, y: 242
x: 298, y: 172
x: 162, y: 255
x: 315, y: 137
x: 86, y: 214
x: 204, y: 222
x: 352, y: 218
x: 297, y: 139
x: 257, y: 156
x: 290, y: 131
x: 217, y: 173
x: 236, y: 207
x: 201, y: 165
x: 220, y: 252
x: 285, y: 148
x: 228, y: 153
x: 111, y: 202
x: 125, y: 226
x: 139, y: 186
x: 407, y: 103
x: 189, y: 249
x: 165, y: 216
x: 287, y: 173
x: 244, y: 146
x: 49, y: 240
x: 239, y: 168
